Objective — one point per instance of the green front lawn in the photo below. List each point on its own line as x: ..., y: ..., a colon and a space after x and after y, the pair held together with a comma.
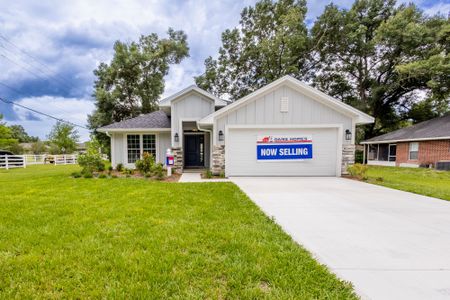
x: 417, y: 180
x: 62, y: 237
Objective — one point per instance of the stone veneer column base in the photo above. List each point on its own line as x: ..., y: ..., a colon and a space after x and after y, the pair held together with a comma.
x: 179, y: 160
x: 348, y: 157
x: 218, y: 159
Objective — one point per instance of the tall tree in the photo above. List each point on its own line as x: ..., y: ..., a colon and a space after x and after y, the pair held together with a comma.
x: 134, y: 80
x: 6, y: 139
x: 373, y: 56
x: 63, y: 137
x: 270, y: 41
x: 19, y: 133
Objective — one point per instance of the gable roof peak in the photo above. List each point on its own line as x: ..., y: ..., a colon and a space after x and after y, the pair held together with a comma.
x: 217, y: 101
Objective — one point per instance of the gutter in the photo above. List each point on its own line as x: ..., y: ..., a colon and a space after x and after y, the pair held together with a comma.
x: 211, y: 141
x: 406, y: 140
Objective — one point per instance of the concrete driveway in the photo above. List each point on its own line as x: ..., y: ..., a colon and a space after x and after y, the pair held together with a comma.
x: 390, y: 244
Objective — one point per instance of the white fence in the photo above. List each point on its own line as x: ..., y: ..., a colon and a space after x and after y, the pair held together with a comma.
x: 21, y: 161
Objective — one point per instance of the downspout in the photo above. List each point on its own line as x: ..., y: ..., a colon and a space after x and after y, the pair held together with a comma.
x: 211, y: 137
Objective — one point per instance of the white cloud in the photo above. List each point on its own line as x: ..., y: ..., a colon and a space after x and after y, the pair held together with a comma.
x: 75, y: 110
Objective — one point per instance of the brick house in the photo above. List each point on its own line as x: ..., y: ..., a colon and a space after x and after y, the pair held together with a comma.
x: 424, y: 144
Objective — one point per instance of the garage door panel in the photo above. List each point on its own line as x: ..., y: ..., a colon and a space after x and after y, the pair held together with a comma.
x: 241, y: 154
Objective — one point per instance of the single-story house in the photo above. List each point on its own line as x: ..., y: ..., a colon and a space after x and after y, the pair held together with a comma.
x: 423, y: 144
x: 285, y: 128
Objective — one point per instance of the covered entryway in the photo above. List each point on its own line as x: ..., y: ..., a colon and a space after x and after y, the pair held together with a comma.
x: 194, y: 150
x: 242, y: 159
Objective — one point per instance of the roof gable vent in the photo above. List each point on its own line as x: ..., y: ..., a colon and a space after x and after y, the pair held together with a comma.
x: 284, y: 104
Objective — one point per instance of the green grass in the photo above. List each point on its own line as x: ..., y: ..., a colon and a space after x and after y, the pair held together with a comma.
x: 62, y: 237
x: 416, y: 180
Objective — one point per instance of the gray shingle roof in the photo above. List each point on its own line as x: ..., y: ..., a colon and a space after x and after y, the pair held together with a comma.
x: 434, y: 128
x: 157, y: 119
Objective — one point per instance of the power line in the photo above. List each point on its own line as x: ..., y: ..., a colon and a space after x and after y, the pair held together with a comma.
x: 44, y: 77
x: 25, y: 94
x: 42, y: 113
x: 60, y: 78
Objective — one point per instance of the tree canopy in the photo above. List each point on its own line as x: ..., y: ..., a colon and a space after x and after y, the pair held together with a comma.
x: 7, y: 141
x: 271, y: 41
x: 390, y: 61
x: 63, y: 138
x: 134, y: 80
x: 19, y: 133
x: 377, y: 57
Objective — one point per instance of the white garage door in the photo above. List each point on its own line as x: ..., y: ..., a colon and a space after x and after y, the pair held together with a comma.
x: 241, y: 153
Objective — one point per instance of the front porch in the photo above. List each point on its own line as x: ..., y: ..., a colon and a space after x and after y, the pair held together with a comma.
x: 195, y: 151
x: 381, y: 154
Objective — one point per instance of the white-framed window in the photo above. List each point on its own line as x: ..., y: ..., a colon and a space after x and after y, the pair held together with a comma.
x: 413, y: 151
x: 138, y: 144
x: 149, y: 144
x: 133, y: 147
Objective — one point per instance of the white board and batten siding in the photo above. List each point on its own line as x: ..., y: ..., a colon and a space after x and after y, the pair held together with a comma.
x: 119, y: 147
x: 266, y: 110
x: 283, y: 111
x: 190, y: 107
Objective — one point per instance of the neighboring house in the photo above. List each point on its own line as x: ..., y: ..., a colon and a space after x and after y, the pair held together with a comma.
x: 423, y: 144
x: 81, y: 148
x: 286, y: 128
x: 26, y: 147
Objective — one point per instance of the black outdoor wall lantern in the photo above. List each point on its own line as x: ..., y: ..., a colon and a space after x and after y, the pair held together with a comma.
x: 348, y: 135
x: 220, y: 135
x: 176, y: 137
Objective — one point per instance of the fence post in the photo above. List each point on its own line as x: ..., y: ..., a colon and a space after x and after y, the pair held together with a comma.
x: 6, y: 162
x: 24, y: 159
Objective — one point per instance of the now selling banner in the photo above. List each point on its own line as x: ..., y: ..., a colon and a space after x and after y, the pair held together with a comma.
x: 280, y: 147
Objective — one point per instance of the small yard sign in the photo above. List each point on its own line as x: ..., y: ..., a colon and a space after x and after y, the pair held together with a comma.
x: 278, y: 147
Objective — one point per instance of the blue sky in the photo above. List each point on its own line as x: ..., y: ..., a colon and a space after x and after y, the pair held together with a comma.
x: 67, y: 42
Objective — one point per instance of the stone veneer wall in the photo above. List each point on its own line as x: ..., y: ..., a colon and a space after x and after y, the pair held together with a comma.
x: 348, y: 157
x: 178, y: 157
x: 218, y: 159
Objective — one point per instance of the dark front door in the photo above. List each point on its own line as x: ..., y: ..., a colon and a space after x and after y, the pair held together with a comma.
x: 194, y: 148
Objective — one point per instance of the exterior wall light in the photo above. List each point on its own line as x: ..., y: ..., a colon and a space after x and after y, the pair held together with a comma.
x: 176, y: 138
x: 348, y: 135
x: 220, y: 135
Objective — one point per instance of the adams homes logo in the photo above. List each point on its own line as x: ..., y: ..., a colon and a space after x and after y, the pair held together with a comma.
x: 277, y: 147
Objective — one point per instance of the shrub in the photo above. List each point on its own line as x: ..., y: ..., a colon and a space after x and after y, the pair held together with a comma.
x: 148, y: 175
x: 222, y: 174
x: 119, y: 167
x: 128, y: 172
x: 114, y: 176
x: 359, y: 155
x: 88, y: 175
x: 208, y: 174
x: 110, y: 168
x: 158, y: 171
x: 76, y: 174
x: 91, y: 161
x: 145, y: 164
x: 358, y: 171
x: 102, y: 176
